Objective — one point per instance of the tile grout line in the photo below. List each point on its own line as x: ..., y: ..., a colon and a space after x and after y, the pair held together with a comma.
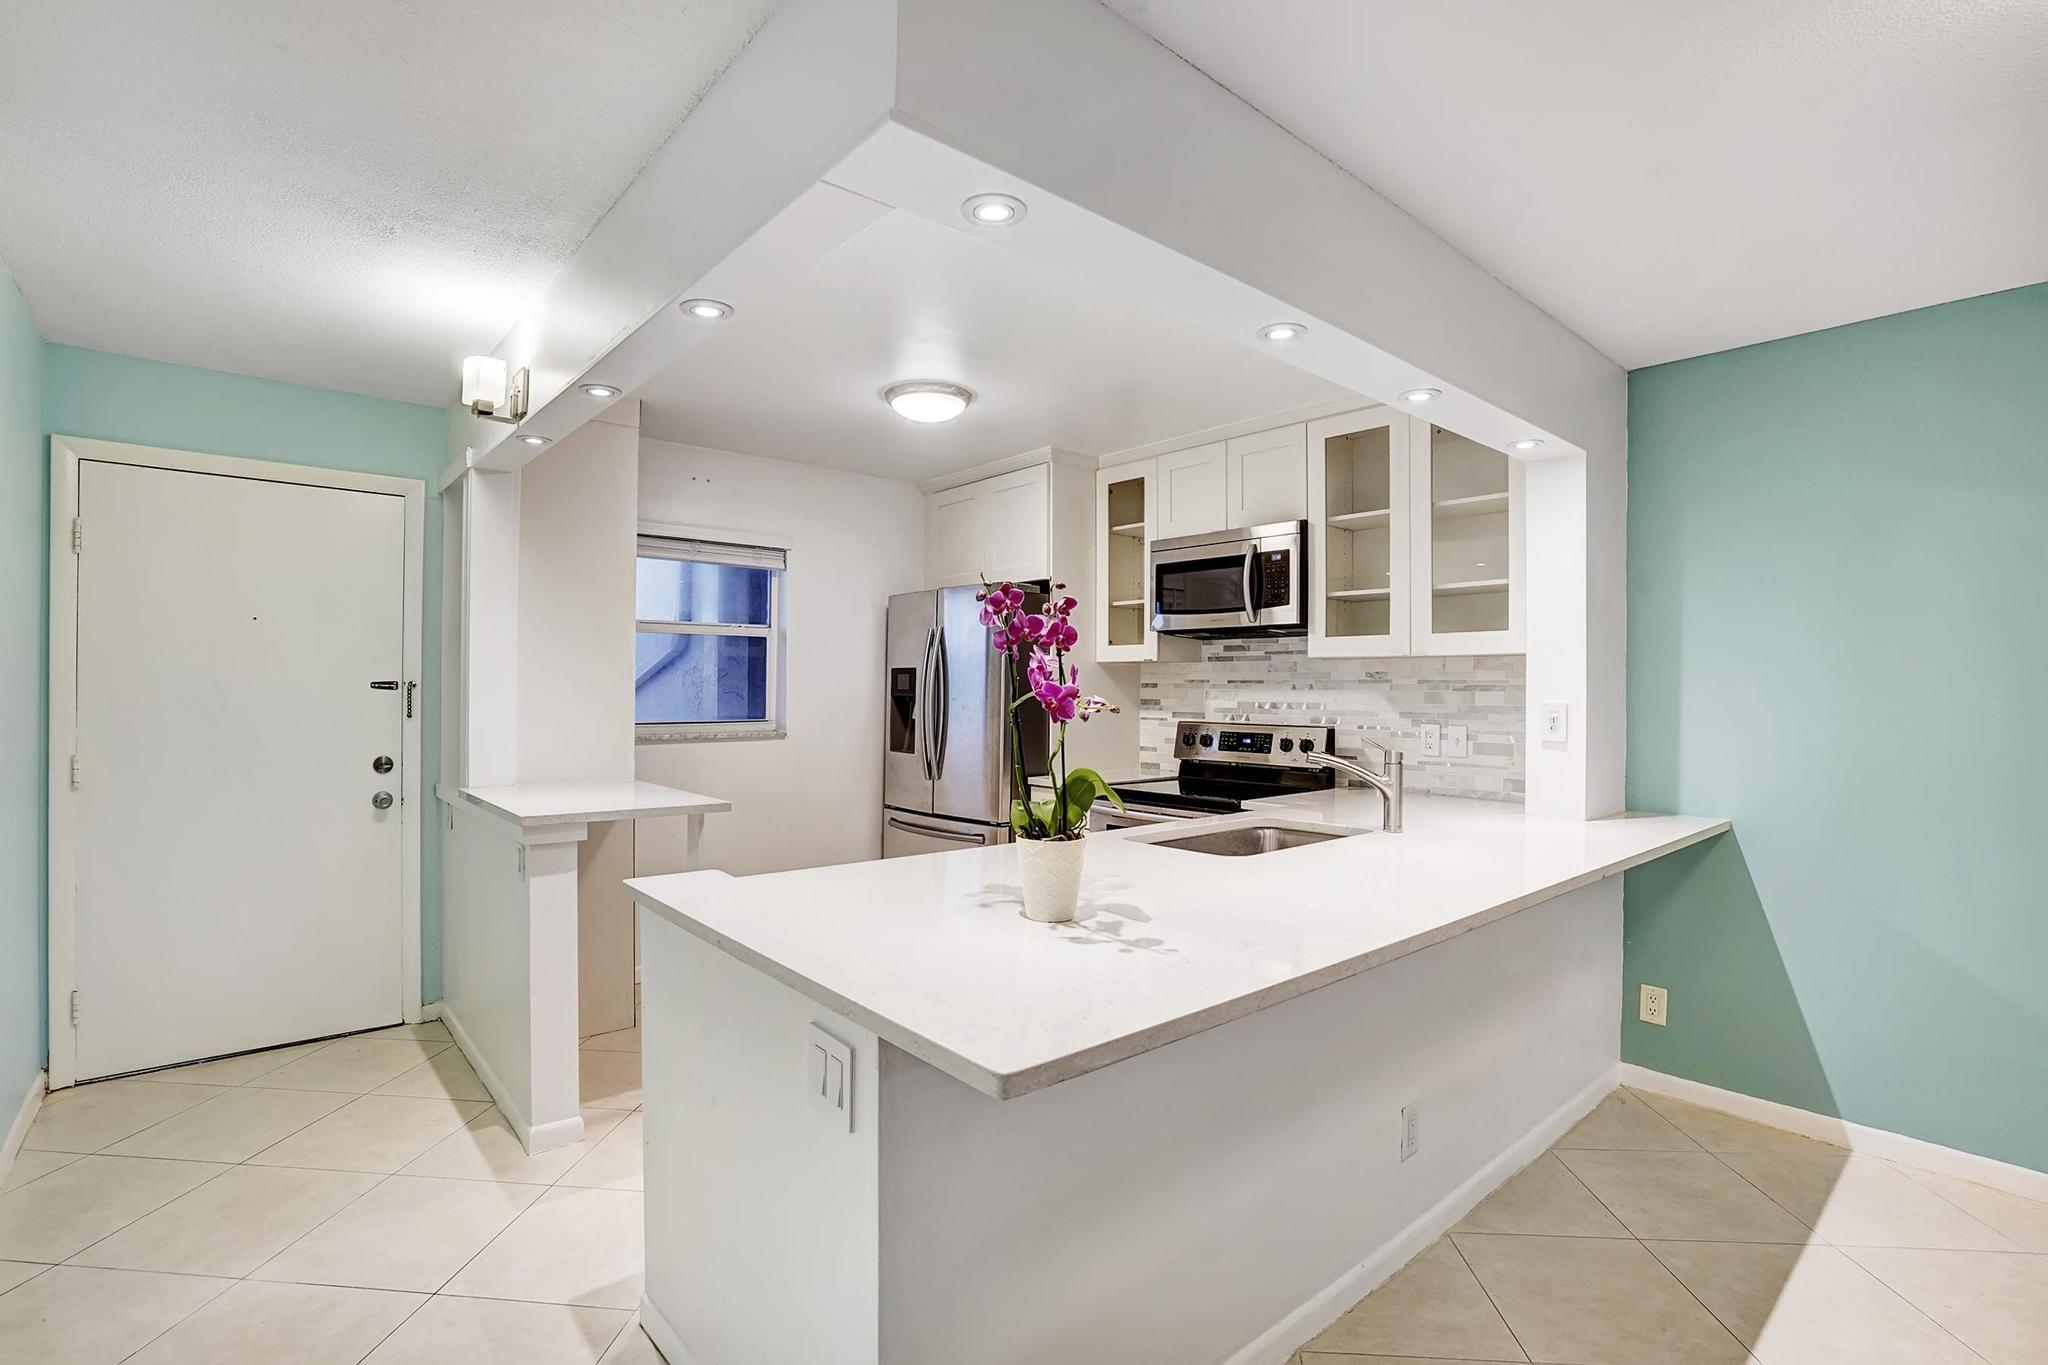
x: 1513, y: 1335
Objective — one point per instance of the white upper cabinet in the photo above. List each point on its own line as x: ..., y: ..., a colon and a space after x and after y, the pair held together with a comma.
x: 1266, y: 477
x: 1123, y: 530
x: 1358, y: 541
x: 1467, y: 545
x: 996, y: 528
x: 1188, y: 493
x: 952, y: 536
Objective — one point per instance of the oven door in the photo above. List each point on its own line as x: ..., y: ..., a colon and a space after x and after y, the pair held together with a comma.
x: 1246, y: 581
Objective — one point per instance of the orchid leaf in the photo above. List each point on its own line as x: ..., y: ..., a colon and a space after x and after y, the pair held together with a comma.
x: 1084, y: 786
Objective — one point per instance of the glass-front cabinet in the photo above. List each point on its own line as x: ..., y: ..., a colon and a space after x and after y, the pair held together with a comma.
x: 1359, y: 557
x: 1124, y: 512
x: 1415, y: 540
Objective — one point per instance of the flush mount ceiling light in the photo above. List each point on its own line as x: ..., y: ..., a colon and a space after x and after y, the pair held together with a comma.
x: 1281, y: 331
x: 1422, y: 395
x: 537, y: 440
x: 993, y: 210
x: 927, y: 400
x: 1526, y: 443
x: 601, y: 390
x: 706, y: 310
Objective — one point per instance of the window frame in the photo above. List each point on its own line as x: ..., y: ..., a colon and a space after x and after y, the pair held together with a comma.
x: 691, y: 546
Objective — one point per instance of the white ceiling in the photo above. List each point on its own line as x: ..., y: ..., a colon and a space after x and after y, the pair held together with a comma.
x: 1671, y: 177
x: 1052, y: 362
x: 351, y: 195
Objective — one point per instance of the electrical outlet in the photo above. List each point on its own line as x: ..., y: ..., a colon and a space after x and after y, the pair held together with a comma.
x: 1556, y: 722
x: 1655, y: 1005
x: 1432, y: 741
x: 1457, y: 742
x: 1411, y: 1130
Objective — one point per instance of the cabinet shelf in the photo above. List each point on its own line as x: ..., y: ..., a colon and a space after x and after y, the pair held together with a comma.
x: 1356, y: 521
x: 1470, y: 586
x: 1134, y: 529
x: 1358, y: 594
x: 1128, y: 602
x: 1478, y: 505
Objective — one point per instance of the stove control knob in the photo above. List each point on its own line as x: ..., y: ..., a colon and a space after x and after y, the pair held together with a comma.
x: 1187, y: 739
x: 1208, y: 740
x: 1308, y: 746
x: 1286, y: 746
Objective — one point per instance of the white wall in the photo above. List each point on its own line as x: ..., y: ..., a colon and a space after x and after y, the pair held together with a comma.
x: 816, y: 796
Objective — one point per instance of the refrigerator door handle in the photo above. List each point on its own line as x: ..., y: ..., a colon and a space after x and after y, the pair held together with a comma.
x: 927, y: 699
x: 930, y: 833
x: 941, y: 721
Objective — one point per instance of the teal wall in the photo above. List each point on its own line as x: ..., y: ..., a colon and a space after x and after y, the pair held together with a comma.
x: 1837, y: 639
x: 23, y: 529
x: 119, y: 398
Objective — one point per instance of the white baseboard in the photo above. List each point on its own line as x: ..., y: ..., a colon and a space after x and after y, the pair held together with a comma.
x: 17, y: 1131
x: 1297, y: 1329
x: 1865, y: 1141
x: 536, y: 1139
x: 663, y: 1334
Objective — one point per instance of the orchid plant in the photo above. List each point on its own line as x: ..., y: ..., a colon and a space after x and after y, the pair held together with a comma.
x: 1036, y: 645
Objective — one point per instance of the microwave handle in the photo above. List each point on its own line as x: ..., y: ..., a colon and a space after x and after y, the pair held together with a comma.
x: 1251, y: 569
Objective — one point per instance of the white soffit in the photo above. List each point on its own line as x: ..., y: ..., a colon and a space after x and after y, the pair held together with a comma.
x: 1671, y: 179
x: 352, y: 196
x: 798, y: 375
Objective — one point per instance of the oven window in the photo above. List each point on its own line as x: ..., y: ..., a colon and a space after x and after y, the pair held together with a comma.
x: 1195, y: 586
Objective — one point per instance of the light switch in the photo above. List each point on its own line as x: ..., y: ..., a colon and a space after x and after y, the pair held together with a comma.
x: 1457, y: 742
x: 829, y: 1076
x: 1555, y: 728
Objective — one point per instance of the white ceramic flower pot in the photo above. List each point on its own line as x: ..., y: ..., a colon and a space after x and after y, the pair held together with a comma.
x: 1051, y: 872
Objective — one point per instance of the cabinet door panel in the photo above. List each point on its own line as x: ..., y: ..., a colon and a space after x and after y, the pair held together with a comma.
x: 1190, y: 499
x: 1267, y: 476
x: 953, y: 533
x: 1016, y: 524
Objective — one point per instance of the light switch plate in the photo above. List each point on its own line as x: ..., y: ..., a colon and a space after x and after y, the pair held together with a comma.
x: 1432, y: 741
x: 828, y: 1076
x: 1556, y: 718
x: 1457, y: 742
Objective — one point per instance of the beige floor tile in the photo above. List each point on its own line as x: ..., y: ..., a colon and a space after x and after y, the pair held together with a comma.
x: 89, y: 1118
x: 613, y: 1162
x: 1682, y: 1196
x: 354, y: 1065
x: 1622, y: 1122
x: 611, y: 1080
x: 407, y: 1233
x: 1324, y: 1358
x: 1545, y: 1198
x: 449, y: 1330
x: 1861, y: 1201
x: 1432, y: 1307
x: 447, y: 1076
x: 232, y: 1126
x: 433, y: 1030
x: 1995, y: 1302
x: 1797, y: 1305
x: 625, y: 1040
x: 1719, y: 1132
x: 234, y: 1070
x: 67, y: 1211
x: 231, y: 1224
x: 80, y: 1316
x: 13, y: 1273
x: 1596, y: 1301
x: 2025, y: 1221
x: 631, y: 1347
x: 371, y: 1133
x: 571, y: 1246
x: 488, y: 1149
x: 30, y: 1165
x: 269, y: 1324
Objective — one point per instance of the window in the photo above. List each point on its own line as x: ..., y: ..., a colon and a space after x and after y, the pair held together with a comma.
x: 708, y: 652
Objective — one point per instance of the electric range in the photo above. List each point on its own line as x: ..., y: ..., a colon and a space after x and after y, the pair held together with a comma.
x: 1222, y: 765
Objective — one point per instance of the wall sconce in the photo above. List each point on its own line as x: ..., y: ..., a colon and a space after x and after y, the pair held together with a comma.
x: 492, y: 390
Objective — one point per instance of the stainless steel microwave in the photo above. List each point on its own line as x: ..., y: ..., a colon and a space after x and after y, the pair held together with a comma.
x: 1246, y: 582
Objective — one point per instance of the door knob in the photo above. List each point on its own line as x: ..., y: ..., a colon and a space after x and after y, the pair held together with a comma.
x: 382, y: 800
x: 381, y: 763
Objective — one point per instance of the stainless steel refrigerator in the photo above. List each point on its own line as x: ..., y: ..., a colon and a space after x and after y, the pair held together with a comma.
x: 946, y: 765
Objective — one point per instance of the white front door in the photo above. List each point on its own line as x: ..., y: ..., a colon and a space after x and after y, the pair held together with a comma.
x: 240, y: 677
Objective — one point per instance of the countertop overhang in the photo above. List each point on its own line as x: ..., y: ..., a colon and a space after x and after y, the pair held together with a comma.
x: 933, y: 953
x: 536, y: 805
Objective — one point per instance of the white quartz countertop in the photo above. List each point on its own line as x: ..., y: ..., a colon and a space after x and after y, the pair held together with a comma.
x: 933, y: 953
x: 533, y: 804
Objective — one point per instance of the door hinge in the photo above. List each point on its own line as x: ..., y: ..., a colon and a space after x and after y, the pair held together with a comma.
x: 522, y: 862
x: 74, y: 1009
x: 77, y: 535
x: 77, y: 771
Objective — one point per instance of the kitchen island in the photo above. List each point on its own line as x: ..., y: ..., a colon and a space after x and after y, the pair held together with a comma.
x: 1170, y: 1131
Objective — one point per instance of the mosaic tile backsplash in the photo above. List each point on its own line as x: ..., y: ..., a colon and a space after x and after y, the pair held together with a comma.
x: 1275, y: 682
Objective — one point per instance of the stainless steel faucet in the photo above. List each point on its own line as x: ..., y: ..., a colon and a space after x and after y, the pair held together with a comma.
x: 1386, y: 782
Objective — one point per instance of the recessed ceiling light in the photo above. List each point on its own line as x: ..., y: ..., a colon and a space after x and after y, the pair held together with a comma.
x: 709, y: 310
x: 537, y: 440
x: 1281, y: 331
x: 601, y: 390
x: 1422, y: 395
x: 925, y: 400
x: 993, y: 210
x: 1526, y: 443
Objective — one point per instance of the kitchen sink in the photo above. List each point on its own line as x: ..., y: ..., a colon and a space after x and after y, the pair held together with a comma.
x: 1242, y: 841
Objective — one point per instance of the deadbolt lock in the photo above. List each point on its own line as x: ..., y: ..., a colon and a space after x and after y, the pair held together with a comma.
x: 381, y: 763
